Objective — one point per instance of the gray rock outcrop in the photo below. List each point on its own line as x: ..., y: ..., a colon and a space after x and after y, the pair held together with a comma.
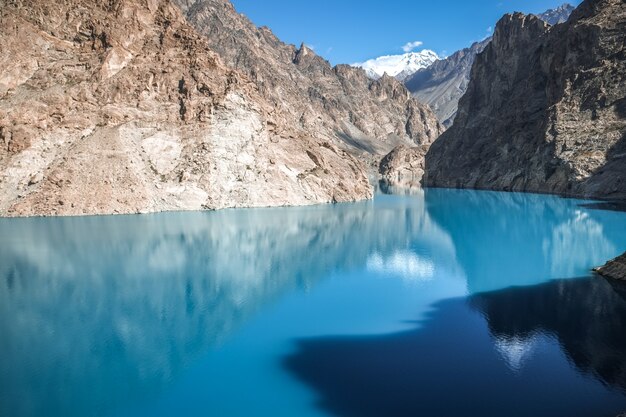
x: 122, y: 107
x: 545, y: 109
x: 615, y: 268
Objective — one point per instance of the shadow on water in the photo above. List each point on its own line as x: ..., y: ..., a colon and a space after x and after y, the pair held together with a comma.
x: 452, y: 364
x: 606, y: 205
x: 587, y: 316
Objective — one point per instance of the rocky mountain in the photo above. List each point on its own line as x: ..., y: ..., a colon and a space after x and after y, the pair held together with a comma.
x: 339, y: 104
x: 123, y: 107
x: 400, y: 67
x: 557, y: 15
x: 444, y: 82
x: 545, y: 109
x: 404, y: 167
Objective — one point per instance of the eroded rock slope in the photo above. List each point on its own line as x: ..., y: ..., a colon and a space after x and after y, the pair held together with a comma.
x: 122, y: 107
x: 340, y: 104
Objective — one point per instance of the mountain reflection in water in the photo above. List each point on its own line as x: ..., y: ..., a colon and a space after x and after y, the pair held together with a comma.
x: 126, y: 302
x: 102, y: 314
x: 451, y: 365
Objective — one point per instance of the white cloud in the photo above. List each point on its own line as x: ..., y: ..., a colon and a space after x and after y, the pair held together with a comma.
x: 412, y: 45
x: 490, y: 29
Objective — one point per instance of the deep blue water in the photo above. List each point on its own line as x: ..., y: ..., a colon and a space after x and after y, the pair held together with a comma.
x: 444, y: 303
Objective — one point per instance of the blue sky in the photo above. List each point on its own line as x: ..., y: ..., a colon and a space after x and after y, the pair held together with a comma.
x: 347, y: 31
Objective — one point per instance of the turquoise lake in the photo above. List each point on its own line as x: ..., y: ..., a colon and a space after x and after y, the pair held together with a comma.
x: 439, y: 304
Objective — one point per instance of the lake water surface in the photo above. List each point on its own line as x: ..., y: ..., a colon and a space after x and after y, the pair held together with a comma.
x: 445, y: 303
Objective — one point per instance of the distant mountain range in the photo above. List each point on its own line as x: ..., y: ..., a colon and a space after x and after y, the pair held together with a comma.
x: 438, y: 82
x: 399, y: 66
x: 442, y: 84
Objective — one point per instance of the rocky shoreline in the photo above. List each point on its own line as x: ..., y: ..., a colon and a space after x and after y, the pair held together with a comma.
x: 615, y: 268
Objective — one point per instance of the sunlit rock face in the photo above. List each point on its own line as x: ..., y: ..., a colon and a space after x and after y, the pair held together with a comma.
x: 404, y: 166
x: 122, y: 107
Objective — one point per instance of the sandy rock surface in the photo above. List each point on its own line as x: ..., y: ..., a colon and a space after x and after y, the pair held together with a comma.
x: 122, y: 107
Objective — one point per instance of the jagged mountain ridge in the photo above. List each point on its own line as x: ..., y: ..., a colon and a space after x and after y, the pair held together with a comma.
x: 545, y: 110
x: 400, y: 67
x: 444, y: 82
x: 557, y: 15
x: 122, y: 107
x: 340, y: 104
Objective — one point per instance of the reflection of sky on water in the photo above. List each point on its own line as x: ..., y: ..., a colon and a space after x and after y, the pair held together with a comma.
x: 404, y: 264
x: 515, y: 350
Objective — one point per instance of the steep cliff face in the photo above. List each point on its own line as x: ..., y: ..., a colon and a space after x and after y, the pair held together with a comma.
x: 545, y: 109
x: 340, y: 104
x: 122, y: 107
x: 442, y: 84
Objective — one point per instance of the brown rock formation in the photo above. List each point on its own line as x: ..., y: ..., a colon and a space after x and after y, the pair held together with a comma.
x: 122, y: 107
x: 340, y: 104
x: 545, y: 109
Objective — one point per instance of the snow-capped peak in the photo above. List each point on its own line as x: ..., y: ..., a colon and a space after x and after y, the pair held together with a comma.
x: 399, y: 66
